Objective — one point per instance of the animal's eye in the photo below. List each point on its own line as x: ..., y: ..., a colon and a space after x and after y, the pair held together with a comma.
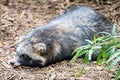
x: 23, y: 56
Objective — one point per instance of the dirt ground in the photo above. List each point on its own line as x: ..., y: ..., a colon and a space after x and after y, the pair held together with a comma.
x: 21, y: 16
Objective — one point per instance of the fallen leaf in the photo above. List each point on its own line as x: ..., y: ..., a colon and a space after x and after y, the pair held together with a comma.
x: 1, y: 43
x: 99, y: 67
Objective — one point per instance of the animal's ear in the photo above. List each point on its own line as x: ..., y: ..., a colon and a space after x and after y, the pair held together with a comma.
x: 40, y: 47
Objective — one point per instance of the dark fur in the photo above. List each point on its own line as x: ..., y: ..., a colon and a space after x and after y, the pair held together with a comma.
x: 64, y: 34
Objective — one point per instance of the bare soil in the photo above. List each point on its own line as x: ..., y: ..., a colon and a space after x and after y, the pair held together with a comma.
x: 21, y: 16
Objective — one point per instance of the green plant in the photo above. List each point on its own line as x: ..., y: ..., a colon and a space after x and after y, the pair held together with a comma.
x: 108, y: 48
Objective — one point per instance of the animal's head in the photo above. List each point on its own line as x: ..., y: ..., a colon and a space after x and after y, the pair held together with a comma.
x: 28, y: 54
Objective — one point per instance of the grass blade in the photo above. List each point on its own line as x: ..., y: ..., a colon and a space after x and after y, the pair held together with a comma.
x: 114, y: 63
x: 118, y: 74
x: 113, y: 56
x: 85, y: 47
x: 79, y: 53
x: 82, y: 69
x: 90, y: 54
x: 89, y: 41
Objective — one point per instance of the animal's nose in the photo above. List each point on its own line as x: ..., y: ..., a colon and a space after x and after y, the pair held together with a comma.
x: 12, y: 63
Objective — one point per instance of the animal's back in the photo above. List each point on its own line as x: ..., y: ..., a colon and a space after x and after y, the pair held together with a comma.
x: 83, y: 16
x: 83, y: 21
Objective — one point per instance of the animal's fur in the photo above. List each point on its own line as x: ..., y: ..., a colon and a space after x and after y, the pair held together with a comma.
x: 56, y: 41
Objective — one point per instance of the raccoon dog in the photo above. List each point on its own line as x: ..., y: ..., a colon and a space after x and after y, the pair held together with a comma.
x: 56, y: 41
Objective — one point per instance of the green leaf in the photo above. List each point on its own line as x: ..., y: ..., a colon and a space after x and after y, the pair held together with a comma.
x: 90, y: 54
x: 89, y: 41
x: 106, y: 33
x: 97, y: 47
x: 85, y: 47
x: 117, y: 44
x: 104, y: 54
x: 106, y: 38
x: 79, y: 53
x: 113, y: 56
x: 95, y: 39
x: 100, y: 55
x: 114, y: 63
x: 110, y: 51
x: 86, y: 60
x: 118, y: 74
x: 75, y: 57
